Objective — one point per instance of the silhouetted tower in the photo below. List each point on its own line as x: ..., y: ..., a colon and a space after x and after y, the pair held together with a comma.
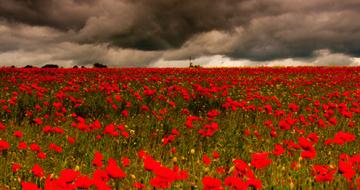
x: 190, y: 63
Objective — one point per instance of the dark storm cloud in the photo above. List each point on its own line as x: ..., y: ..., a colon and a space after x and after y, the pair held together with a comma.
x: 284, y: 36
x: 139, y: 24
x: 168, y: 24
x: 258, y: 30
x: 59, y: 14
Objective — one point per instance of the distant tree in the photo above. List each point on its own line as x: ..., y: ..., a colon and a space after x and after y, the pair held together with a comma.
x: 28, y: 66
x: 50, y: 66
x: 83, y: 67
x: 99, y: 65
x: 75, y: 67
x: 13, y: 66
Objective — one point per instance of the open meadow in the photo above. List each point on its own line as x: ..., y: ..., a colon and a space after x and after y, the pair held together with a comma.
x: 221, y: 128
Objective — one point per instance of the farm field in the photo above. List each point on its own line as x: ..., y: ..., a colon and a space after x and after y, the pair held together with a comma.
x: 221, y: 128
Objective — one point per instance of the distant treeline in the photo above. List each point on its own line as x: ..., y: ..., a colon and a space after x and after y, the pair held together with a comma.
x: 54, y: 66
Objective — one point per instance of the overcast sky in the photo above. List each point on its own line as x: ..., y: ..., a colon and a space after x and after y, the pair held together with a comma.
x: 165, y: 33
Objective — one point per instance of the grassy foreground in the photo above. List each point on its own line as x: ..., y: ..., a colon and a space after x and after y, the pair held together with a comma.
x: 281, y: 128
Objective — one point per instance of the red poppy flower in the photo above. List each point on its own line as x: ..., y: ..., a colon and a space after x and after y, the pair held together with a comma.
x: 125, y: 134
x: 35, y: 147
x: 211, y: 183
x: 125, y: 113
x: 293, y: 107
x: 347, y: 170
x: 159, y: 182
x: 41, y: 155
x: 242, y: 169
x: 260, y: 160
x: 216, y: 155
x: 150, y: 164
x: 83, y: 182
x: 139, y: 185
x: 55, y: 147
x: 29, y: 186
x: 235, y: 183
x: 15, y: 167
x: 100, y: 175
x: 256, y: 183
x: 68, y: 175
x: 71, y: 140
x: 2, y: 126
x: 206, y: 159
x: 4, y: 145
x: 97, y: 161
x: 278, y: 150
x: 125, y: 161
x: 18, y: 134
x: 22, y: 146
x: 323, y: 173
x: 213, y: 113
x: 37, y: 171
x: 341, y: 138
x: 164, y: 177
x: 38, y: 121
x: 113, y: 170
x: 308, y: 148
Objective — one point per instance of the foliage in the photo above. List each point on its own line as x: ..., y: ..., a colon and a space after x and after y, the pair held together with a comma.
x: 188, y: 128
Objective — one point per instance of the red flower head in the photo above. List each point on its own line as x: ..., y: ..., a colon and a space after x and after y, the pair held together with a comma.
x: 213, y: 113
x: 4, y: 145
x: 71, y: 140
x: 38, y: 121
x: 18, y: 134
x: 322, y: 173
x: 2, y: 126
x: 35, y: 147
x: 150, y: 164
x: 15, y: 167
x: 206, y: 159
x: 260, y: 160
x: 125, y: 113
x: 235, y: 183
x: 216, y: 155
x: 279, y: 150
x: 97, y: 161
x: 41, y: 155
x: 308, y: 148
x: 164, y: 177
x: 29, y: 186
x: 211, y: 183
x: 84, y: 182
x: 113, y: 170
x: 347, y: 170
x: 242, y: 169
x: 293, y: 107
x: 139, y: 185
x: 68, y: 175
x: 37, y: 171
x: 55, y: 147
x: 125, y: 161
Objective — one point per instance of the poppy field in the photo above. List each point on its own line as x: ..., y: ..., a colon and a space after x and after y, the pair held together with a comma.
x: 220, y: 128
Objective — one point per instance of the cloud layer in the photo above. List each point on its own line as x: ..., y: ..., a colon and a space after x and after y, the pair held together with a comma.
x: 151, y: 33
